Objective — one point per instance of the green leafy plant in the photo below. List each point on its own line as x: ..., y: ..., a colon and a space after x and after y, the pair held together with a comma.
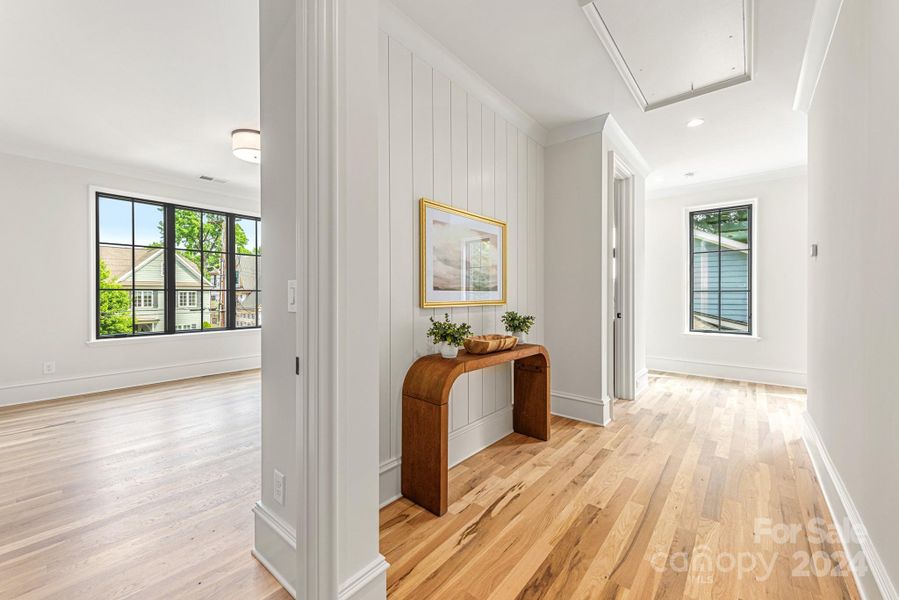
x: 446, y: 331
x: 114, y: 305
x: 516, y: 323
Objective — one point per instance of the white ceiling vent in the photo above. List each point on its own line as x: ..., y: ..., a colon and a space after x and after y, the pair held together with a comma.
x: 213, y: 179
x: 668, y: 51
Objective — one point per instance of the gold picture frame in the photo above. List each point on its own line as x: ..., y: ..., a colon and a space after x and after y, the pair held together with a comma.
x: 461, y: 241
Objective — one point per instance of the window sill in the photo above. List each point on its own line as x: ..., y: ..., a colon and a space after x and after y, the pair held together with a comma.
x: 727, y: 336
x: 168, y: 337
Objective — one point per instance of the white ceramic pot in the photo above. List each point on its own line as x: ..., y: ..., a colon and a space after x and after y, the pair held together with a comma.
x: 520, y: 337
x: 448, y: 350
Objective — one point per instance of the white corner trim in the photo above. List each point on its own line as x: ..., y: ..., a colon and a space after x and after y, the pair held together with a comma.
x: 731, y: 371
x: 404, y: 30
x: 582, y: 408
x: 825, y: 16
x: 36, y: 390
x: 875, y: 582
x: 625, y: 147
x: 274, y: 546
x: 370, y: 575
x: 659, y: 193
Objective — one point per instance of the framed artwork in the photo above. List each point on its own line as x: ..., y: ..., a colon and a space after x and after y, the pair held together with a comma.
x: 463, y: 257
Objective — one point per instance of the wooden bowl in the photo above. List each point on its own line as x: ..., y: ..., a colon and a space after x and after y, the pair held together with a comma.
x: 485, y: 344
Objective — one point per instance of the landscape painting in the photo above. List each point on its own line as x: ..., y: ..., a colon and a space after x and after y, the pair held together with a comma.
x: 463, y: 257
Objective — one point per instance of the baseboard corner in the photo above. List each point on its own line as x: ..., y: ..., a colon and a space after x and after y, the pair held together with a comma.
x: 369, y: 583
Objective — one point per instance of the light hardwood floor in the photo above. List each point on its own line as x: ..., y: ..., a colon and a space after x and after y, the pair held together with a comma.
x: 617, y: 512
x: 142, y: 493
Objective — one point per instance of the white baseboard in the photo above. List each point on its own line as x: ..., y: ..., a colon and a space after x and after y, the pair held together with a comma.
x: 874, y: 583
x: 474, y: 437
x: 275, y: 546
x: 582, y: 408
x: 736, y: 372
x: 463, y: 442
x: 370, y: 583
x: 390, y: 481
x: 49, y: 389
x: 642, y: 381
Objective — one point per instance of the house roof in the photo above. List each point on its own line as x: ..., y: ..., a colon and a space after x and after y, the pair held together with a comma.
x: 118, y: 261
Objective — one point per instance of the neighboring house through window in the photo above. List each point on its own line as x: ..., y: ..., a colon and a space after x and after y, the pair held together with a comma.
x: 721, y: 277
x: 163, y: 268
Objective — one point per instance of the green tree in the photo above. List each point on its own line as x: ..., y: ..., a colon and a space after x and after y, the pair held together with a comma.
x: 115, y: 305
x: 187, y: 235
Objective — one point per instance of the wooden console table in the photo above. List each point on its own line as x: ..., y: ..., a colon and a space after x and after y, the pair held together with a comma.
x: 426, y: 392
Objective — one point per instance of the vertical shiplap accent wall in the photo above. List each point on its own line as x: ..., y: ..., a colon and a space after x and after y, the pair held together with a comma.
x: 439, y: 141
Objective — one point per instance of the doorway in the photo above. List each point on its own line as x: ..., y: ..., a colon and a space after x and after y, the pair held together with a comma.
x: 623, y: 384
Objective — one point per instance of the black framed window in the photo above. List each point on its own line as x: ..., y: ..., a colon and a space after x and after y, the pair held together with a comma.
x: 721, y: 274
x: 165, y: 269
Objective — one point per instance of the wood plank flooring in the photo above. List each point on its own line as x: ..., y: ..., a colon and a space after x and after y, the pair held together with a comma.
x: 664, y: 503
x: 142, y: 493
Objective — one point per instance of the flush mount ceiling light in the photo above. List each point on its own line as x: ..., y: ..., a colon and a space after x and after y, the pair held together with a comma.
x: 695, y: 122
x: 245, y: 145
x: 689, y: 174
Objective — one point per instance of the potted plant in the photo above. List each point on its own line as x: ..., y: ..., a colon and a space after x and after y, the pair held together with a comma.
x: 518, y: 325
x: 448, y: 336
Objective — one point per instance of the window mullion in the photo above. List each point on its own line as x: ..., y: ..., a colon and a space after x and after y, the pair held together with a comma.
x: 169, y: 253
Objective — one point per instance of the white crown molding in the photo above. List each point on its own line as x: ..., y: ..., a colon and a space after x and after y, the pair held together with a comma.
x: 625, y: 147
x: 69, y: 159
x: 608, y: 126
x: 716, y: 184
x: 397, y: 25
x: 608, y: 42
x: 873, y: 582
x: 824, y: 23
x: 578, y: 129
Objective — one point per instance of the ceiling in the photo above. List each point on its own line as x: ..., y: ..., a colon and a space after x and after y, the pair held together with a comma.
x: 546, y: 57
x: 134, y: 86
x: 158, y: 86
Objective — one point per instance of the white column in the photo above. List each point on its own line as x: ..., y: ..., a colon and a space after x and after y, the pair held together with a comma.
x: 319, y: 208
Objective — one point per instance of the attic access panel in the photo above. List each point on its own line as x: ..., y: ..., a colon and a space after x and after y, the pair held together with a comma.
x: 668, y: 51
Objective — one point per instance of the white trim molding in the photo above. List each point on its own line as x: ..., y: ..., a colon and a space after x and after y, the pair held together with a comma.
x: 463, y: 443
x: 37, y: 390
x: 627, y: 76
x: 874, y: 581
x: 389, y: 481
x: 825, y: 16
x: 607, y: 125
x: 735, y: 372
x: 275, y: 546
x: 642, y: 381
x: 367, y: 584
x: 404, y: 30
x: 582, y: 408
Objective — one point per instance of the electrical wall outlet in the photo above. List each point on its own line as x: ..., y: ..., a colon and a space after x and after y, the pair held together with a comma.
x: 49, y: 367
x: 279, y: 487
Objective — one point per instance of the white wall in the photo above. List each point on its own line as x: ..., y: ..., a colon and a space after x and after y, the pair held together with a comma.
x: 47, y: 283
x: 779, y: 353
x: 579, y: 190
x: 853, y: 284
x: 444, y: 140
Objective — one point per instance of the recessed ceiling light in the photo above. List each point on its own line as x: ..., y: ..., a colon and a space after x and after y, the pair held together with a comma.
x: 245, y: 145
x: 695, y: 122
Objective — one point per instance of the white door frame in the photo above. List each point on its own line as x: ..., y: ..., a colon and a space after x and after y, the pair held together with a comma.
x: 622, y: 343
